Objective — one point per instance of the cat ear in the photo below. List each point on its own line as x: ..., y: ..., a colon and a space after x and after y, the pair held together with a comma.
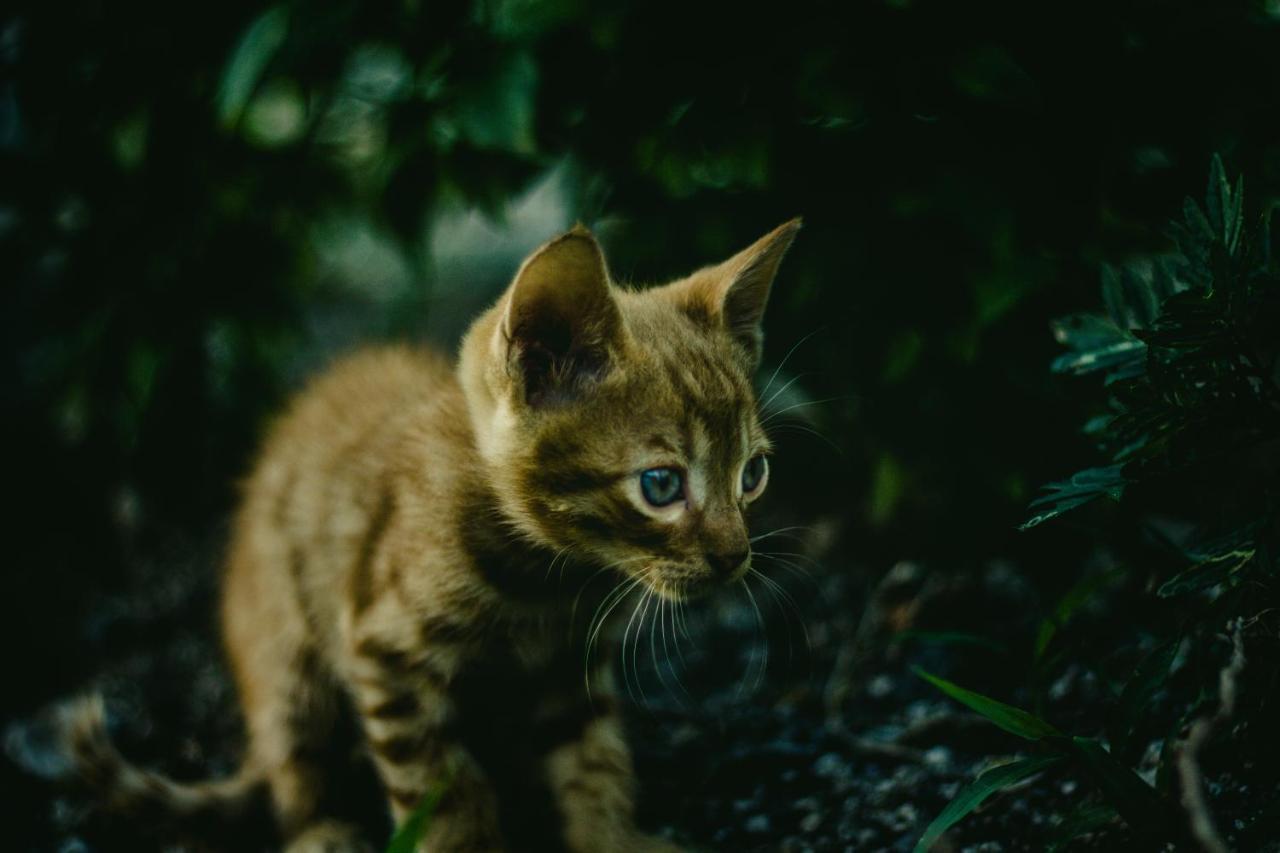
x: 734, y: 293
x: 560, y: 318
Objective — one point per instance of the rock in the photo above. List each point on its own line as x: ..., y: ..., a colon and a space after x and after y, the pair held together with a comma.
x: 903, y: 819
x: 831, y: 765
x: 806, y: 804
x: 938, y: 758
x: 880, y: 687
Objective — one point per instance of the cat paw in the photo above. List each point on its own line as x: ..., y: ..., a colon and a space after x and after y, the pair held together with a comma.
x: 328, y: 836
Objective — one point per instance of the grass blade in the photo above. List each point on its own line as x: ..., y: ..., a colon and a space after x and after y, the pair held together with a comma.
x: 1086, y: 819
x: 419, y: 821
x: 978, y: 790
x: 1013, y: 720
x: 1136, y: 801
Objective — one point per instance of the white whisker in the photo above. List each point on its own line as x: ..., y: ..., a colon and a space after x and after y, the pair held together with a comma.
x: 776, y: 414
x: 764, y: 407
x: 780, y: 532
x: 787, y: 357
x: 662, y: 622
x: 635, y: 645
x: 791, y: 568
x: 764, y: 639
x: 801, y: 428
x: 781, y: 596
x: 613, y: 599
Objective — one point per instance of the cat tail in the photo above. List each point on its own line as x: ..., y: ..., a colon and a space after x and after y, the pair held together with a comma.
x: 235, y: 805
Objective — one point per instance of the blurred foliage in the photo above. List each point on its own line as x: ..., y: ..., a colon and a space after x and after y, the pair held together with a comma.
x: 198, y: 204
x: 1189, y: 351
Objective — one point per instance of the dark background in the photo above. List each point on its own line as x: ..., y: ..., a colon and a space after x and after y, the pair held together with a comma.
x: 201, y: 203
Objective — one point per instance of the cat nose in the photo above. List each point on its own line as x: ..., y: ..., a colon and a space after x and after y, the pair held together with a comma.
x: 726, y: 563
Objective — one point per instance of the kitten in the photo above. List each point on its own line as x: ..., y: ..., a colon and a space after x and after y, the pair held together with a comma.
x: 414, y: 536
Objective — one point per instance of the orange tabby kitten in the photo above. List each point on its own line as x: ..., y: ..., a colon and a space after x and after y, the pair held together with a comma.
x: 414, y: 536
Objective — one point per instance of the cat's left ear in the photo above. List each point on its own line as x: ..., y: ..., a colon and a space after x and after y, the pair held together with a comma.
x: 560, y: 321
x: 735, y: 292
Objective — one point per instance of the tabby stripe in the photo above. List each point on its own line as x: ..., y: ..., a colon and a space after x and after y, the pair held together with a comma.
x: 734, y: 385
x: 404, y: 797
x: 397, y: 662
x: 599, y: 765
x: 625, y: 523
x: 553, y: 471
x: 552, y: 733
x: 578, y: 785
x: 440, y: 629
x: 297, y: 567
x: 280, y: 513
x: 303, y: 752
x: 402, y: 749
x: 362, y: 583
x: 397, y: 707
x: 386, y: 656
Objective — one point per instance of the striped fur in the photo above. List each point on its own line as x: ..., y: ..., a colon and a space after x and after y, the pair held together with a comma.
x: 415, y: 536
x: 149, y: 797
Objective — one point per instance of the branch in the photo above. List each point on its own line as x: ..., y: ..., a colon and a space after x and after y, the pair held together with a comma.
x: 1194, y: 799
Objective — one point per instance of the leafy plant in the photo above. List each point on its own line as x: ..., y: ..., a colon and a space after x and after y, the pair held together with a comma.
x: 1133, y: 798
x: 1187, y: 351
x: 988, y: 783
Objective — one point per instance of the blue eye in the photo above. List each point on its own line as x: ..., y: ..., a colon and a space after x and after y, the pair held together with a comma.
x: 661, y: 486
x: 752, y: 473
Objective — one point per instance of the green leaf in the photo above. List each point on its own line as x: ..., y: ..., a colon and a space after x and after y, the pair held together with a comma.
x: 1088, y: 332
x: 256, y: 48
x: 1150, y: 675
x: 1197, y: 223
x: 496, y: 112
x: 1236, y: 222
x: 1013, y: 720
x: 990, y: 781
x: 1207, y: 573
x: 1208, y: 548
x: 1084, y: 486
x: 1139, y: 295
x: 1225, y: 205
x: 1135, y: 800
x: 1085, y: 819
x: 1217, y: 196
x: 1098, y: 424
x: 1075, y: 597
x: 1165, y: 279
x: 418, y: 822
x: 1113, y: 355
x: 1113, y: 297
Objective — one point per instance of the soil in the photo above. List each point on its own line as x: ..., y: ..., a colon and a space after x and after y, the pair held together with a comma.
x: 734, y: 752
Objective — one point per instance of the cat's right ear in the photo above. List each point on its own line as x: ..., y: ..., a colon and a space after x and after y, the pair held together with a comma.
x: 560, y: 320
x: 732, y: 294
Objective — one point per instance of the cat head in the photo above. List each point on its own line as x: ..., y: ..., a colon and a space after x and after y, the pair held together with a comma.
x: 620, y: 425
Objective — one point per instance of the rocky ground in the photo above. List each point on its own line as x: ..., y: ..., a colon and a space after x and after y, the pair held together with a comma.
x: 829, y: 744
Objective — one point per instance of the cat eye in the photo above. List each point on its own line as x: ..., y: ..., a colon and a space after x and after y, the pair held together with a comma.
x: 661, y: 486
x: 753, y: 472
